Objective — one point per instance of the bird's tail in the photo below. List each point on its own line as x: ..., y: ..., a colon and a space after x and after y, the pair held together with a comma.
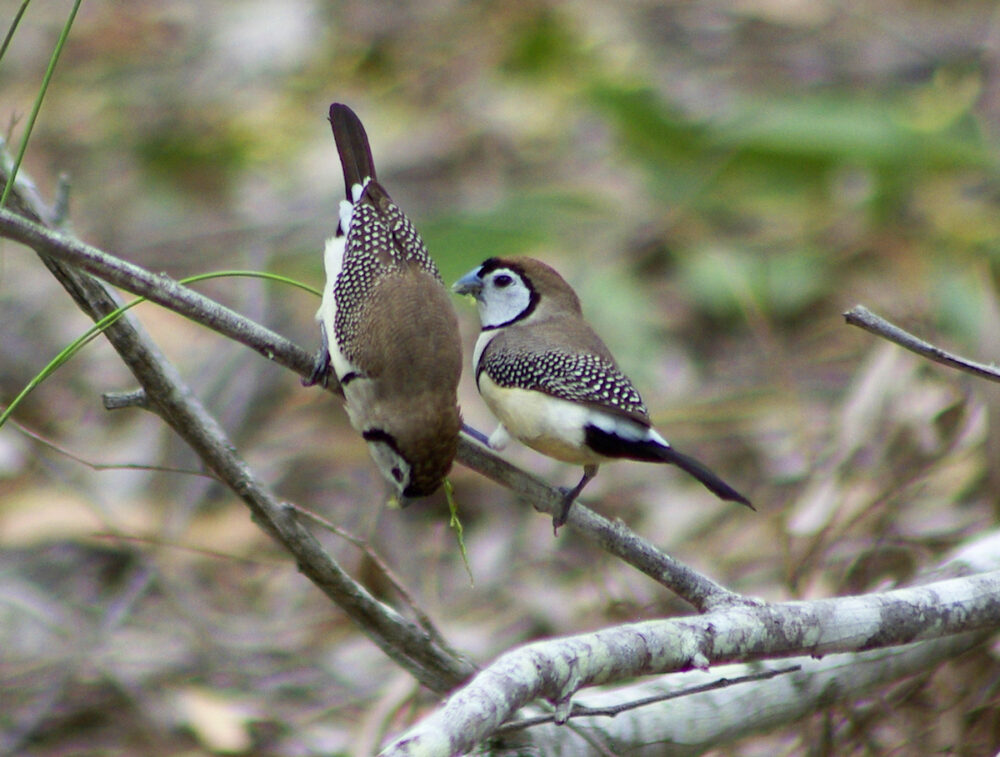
x: 352, y: 146
x: 709, y: 480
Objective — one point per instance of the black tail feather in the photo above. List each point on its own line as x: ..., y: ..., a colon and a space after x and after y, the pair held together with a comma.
x: 614, y: 446
x: 709, y: 480
x: 352, y: 146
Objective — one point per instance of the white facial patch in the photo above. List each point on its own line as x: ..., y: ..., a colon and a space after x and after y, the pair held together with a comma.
x: 503, y: 298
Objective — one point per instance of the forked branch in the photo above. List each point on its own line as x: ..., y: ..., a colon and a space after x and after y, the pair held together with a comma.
x: 699, y: 590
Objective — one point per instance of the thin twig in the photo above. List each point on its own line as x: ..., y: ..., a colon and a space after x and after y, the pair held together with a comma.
x: 107, y: 466
x: 582, y: 711
x: 122, y: 400
x: 215, y: 554
x: 862, y: 317
x: 422, y: 618
x: 722, y: 683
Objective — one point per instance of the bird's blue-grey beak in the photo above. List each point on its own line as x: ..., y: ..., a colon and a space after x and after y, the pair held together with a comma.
x: 470, y: 283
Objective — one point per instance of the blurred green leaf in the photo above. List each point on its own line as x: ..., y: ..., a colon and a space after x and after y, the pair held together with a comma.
x: 940, y: 103
x: 790, y: 144
x: 649, y: 127
x: 539, y: 42
x: 960, y: 300
x: 721, y: 281
x: 195, y: 152
x: 658, y: 137
x: 523, y: 223
x: 715, y: 278
x: 836, y: 129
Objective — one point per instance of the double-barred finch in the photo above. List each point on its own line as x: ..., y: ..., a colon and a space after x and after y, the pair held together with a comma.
x: 389, y: 329
x: 553, y: 384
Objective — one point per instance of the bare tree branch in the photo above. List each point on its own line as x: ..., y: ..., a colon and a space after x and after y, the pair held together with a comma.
x: 862, y: 317
x: 616, y: 538
x: 734, y: 628
x: 694, y: 723
x: 402, y: 640
x: 555, y: 669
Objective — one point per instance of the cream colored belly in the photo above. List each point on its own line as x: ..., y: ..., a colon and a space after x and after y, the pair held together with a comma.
x: 548, y: 425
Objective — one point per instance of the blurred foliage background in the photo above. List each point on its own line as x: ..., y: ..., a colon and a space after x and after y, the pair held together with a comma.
x: 719, y: 180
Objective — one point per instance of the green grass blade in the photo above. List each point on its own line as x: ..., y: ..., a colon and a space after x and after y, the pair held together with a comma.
x: 253, y: 275
x: 13, y: 28
x: 65, y: 354
x: 63, y: 36
x: 76, y: 345
x: 456, y: 524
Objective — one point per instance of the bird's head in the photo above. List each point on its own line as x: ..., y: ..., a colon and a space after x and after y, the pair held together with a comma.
x: 414, y: 446
x: 509, y: 290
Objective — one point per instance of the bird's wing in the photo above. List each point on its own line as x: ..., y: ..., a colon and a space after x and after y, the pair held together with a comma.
x: 582, y: 377
x: 410, y: 311
x: 381, y: 243
x: 403, y: 243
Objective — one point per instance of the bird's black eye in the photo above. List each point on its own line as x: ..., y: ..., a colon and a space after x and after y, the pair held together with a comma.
x: 503, y: 280
x: 397, y: 474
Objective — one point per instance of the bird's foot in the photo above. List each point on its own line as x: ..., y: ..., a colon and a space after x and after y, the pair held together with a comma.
x: 321, y: 363
x: 570, y: 495
x: 321, y: 369
x: 559, y: 519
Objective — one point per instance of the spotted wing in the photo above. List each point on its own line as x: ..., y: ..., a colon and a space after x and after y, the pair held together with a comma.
x: 380, y: 242
x: 577, y: 377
